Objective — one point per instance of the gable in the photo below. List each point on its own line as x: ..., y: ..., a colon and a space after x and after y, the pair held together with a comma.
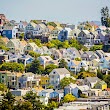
x: 10, y: 44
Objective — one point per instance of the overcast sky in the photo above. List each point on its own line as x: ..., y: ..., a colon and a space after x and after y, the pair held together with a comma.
x: 68, y: 11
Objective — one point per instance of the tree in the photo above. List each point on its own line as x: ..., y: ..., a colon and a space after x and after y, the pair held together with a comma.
x: 3, y: 87
x: 78, y: 59
x: 49, y: 68
x: 24, y: 106
x: 4, y: 48
x: 96, y: 47
x: 34, y: 54
x: 62, y: 64
x: 99, y: 74
x: 35, y: 67
x: 34, y: 99
x: 52, y: 105
x: 7, y: 102
x: 37, y: 42
x: 66, y: 81
x: 51, y: 24
x: 21, y: 37
x: 50, y: 87
x: 105, y: 19
x: 107, y: 80
x: 85, y: 74
x: 69, y: 98
x: 13, y: 66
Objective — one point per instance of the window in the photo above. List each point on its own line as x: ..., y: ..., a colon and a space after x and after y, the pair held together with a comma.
x: 13, y: 83
x: 2, y: 76
x: 74, y: 34
x: 13, y: 78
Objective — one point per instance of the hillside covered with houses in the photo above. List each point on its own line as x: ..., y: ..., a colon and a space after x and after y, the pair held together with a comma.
x: 54, y: 61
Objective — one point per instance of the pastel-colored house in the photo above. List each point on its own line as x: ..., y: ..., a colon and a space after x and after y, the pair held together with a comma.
x: 101, y: 85
x: 91, y: 81
x: 10, y: 31
x: 56, y: 75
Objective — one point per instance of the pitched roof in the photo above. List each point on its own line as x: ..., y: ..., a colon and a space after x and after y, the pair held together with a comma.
x: 61, y: 71
x: 107, y: 58
x: 86, y: 31
x: 33, y: 24
x: 92, y: 79
x: 42, y: 25
x: 23, y: 43
x: 32, y: 44
x: 16, y: 42
x: 5, y: 39
x: 8, y: 27
x: 50, y: 27
x: 76, y: 62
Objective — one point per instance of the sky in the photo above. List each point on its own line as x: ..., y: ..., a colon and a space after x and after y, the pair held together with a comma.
x: 65, y: 11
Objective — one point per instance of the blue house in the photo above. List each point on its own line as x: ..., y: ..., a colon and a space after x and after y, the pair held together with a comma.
x: 58, y: 94
x: 63, y: 35
x: 10, y: 31
x: 73, y: 89
x: 25, y: 59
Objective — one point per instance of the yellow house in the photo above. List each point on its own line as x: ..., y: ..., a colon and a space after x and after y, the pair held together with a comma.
x: 101, y: 85
x: 44, y: 81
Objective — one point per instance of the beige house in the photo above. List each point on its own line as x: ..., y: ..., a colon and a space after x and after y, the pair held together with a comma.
x: 14, y: 46
x: 30, y: 47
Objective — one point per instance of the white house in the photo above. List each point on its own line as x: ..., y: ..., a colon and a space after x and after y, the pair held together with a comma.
x: 56, y: 75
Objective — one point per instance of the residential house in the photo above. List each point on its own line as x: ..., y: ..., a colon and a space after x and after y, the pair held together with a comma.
x: 64, y: 34
x: 4, y: 41
x: 56, y: 75
x: 94, y: 65
x: 44, y: 82
x: 100, y: 53
x: 4, y: 77
x: 74, y: 53
x: 30, y: 29
x: 3, y: 19
x: 45, y: 50
x: 28, y: 80
x: 105, y: 63
x: 56, y: 53
x: 44, y: 60
x: 23, y: 43
x: 45, y: 92
x: 107, y: 39
x: 54, y: 33
x: 75, y: 66
x: 22, y: 25
x: 10, y: 32
x: 10, y: 79
x: 101, y: 85
x: 89, y: 55
x: 91, y: 81
x: 25, y: 59
x: 73, y: 89
x: 81, y: 27
x: 30, y: 47
x: 65, y: 53
x: 14, y: 46
x: 75, y: 33
x: 57, y: 95
x: 86, y: 38
x: 41, y: 29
